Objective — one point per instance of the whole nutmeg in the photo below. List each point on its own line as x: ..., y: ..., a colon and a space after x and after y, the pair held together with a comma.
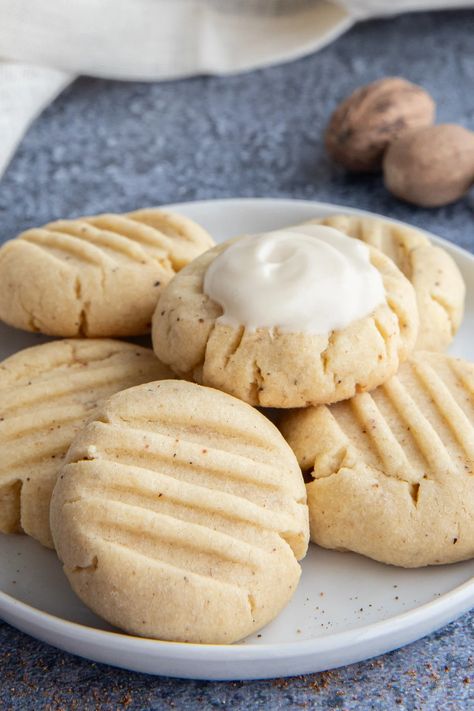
x: 432, y: 166
x: 363, y: 125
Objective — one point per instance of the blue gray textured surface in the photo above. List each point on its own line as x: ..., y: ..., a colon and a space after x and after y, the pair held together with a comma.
x: 109, y: 146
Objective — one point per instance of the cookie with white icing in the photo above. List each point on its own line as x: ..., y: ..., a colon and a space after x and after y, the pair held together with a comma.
x: 287, y: 320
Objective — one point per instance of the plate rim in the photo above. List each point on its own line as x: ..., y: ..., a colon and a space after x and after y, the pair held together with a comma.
x: 447, y: 607
x: 465, y: 593
x: 317, y: 204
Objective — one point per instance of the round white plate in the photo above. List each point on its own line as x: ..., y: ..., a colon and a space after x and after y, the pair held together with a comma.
x: 347, y: 608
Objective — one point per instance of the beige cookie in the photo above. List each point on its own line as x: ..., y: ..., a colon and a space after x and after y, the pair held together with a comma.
x: 181, y: 514
x: 393, y: 471
x: 46, y: 394
x: 437, y: 281
x: 272, y: 368
x: 95, y: 276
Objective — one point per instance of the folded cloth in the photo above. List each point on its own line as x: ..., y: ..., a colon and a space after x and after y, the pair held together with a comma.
x: 25, y: 90
x: 46, y: 44
x: 363, y: 9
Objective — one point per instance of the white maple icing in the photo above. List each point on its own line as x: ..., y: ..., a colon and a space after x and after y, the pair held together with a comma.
x: 306, y: 279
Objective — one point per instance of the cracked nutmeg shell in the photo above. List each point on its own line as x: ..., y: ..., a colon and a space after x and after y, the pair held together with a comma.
x: 432, y: 166
x: 363, y: 125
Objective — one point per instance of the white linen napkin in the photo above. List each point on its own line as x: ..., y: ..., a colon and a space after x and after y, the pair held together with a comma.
x: 45, y: 44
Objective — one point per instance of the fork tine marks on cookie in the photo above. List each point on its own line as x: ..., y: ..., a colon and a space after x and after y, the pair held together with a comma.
x: 177, y: 507
x: 426, y: 437
x: 95, y: 276
x: 65, y: 247
x: 114, y: 246
x: 393, y: 458
x: 47, y: 394
x: 403, y: 491
x: 453, y: 416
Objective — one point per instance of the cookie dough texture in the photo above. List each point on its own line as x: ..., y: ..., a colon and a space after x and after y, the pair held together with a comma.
x: 180, y: 515
x: 95, y: 276
x: 276, y: 369
x: 393, y: 471
x: 437, y: 281
x: 46, y: 394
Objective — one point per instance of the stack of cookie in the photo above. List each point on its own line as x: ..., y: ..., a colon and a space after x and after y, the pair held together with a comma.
x: 178, y: 509
x: 384, y: 425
